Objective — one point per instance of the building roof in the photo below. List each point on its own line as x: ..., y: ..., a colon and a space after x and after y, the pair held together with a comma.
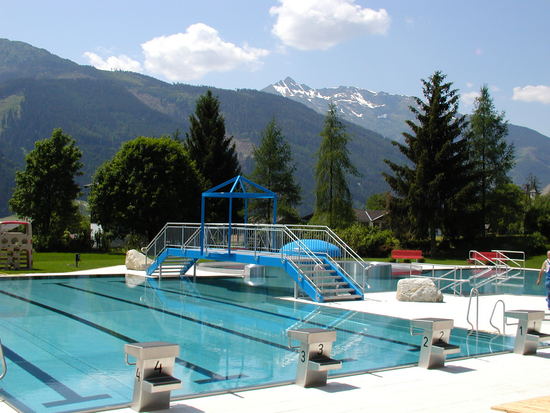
x: 369, y: 215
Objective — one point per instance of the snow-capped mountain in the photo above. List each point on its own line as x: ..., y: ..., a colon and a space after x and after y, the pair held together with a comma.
x: 377, y: 111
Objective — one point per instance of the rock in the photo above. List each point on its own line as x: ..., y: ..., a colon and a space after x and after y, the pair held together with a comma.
x: 135, y: 260
x: 418, y: 290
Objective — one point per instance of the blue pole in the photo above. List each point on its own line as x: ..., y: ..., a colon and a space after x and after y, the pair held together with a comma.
x: 274, y: 210
x: 229, y: 232
x: 202, y: 225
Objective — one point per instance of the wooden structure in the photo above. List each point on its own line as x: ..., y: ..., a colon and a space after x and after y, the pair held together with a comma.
x: 537, y: 404
x: 15, y: 245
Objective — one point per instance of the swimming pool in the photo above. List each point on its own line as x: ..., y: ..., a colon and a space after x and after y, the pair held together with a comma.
x: 64, y: 337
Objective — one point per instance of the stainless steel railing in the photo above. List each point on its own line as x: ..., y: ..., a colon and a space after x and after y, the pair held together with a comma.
x: 261, y: 239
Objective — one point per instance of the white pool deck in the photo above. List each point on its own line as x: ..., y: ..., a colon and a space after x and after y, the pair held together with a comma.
x: 468, y: 385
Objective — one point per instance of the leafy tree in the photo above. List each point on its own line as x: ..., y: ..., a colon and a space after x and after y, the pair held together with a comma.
x: 537, y: 216
x: 273, y: 170
x: 149, y: 181
x: 377, y: 201
x: 333, y: 205
x: 431, y: 190
x: 369, y: 241
x: 507, y: 203
x: 493, y: 157
x: 45, y: 191
x: 213, y: 151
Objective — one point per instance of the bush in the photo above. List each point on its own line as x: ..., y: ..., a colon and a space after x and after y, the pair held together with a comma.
x: 369, y: 241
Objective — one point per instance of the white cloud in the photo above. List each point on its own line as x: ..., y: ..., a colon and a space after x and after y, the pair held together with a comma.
x: 198, y: 51
x: 121, y: 62
x: 321, y: 24
x: 469, y: 98
x: 530, y: 93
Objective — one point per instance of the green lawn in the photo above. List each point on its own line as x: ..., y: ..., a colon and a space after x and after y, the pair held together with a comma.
x: 48, y: 262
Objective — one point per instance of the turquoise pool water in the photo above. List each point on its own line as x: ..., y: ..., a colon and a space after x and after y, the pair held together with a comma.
x: 520, y: 284
x: 64, y: 338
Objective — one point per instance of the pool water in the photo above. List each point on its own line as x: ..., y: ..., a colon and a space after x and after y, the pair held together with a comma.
x: 64, y: 337
x: 518, y: 285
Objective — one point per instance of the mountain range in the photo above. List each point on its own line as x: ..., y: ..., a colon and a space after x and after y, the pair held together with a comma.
x: 102, y: 109
x: 386, y: 114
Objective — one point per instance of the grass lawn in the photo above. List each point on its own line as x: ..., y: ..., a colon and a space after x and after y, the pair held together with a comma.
x: 52, y: 262
x: 48, y: 262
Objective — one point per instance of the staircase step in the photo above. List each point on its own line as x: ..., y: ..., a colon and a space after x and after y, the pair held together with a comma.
x: 337, y: 290
x: 325, y: 277
x: 332, y: 284
x: 318, y: 271
x: 349, y: 297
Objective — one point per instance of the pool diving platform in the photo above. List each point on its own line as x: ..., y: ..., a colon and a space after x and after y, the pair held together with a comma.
x: 322, y: 266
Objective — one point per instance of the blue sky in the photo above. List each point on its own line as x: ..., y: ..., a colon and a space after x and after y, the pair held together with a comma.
x: 380, y: 45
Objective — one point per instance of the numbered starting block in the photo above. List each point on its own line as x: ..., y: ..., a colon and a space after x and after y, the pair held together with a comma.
x: 435, y: 346
x: 153, y: 377
x: 314, y: 360
x: 528, y: 336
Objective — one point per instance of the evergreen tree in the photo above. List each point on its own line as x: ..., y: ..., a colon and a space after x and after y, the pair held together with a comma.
x: 274, y: 171
x: 213, y: 151
x: 430, y: 192
x: 333, y: 205
x: 493, y: 157
x: 46, y: 190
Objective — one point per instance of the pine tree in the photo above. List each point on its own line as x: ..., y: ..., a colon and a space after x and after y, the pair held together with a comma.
x: 430, y: 192
x: 333, y: 205
x: 213, y: 151
x: 46, y: 189
x: 274, y: 171
x: 493, y: 157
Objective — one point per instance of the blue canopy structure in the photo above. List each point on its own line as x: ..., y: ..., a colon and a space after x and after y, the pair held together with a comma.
x: 237, y: 189
x: 316, y: 246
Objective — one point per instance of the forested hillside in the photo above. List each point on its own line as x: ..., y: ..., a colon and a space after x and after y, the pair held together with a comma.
x: 40, y: 92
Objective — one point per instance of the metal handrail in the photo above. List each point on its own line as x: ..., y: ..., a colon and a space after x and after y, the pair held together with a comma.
x: 216, y: 237
x: 336, y: 240
x: 473, y: 292
x: 503, y: 318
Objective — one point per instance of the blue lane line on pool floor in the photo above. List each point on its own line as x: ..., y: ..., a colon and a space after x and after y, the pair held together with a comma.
x: 413, y: 347
x: 69, y: 395
x: 208, y: 373
x: 183, y: 317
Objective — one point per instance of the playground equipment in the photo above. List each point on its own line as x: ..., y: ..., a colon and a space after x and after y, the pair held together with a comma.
x: 321, y: 264
x: 15, y: 245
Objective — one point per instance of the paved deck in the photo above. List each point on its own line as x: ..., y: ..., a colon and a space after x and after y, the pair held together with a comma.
x: 469, y: 385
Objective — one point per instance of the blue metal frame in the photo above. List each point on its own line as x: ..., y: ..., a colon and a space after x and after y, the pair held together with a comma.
x: 239, y: 182
x: 267, y: 260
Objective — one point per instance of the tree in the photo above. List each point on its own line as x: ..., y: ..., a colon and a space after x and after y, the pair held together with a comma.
x: 537, y: 216
x: 531, y: 187
x: 377, y: 201
x: 149, y: 181
x: 431, y: 191
x: 332, y: 196
x: 46, y: 190
x: 493, y: 157
x: 213, y: 151
x: 273, y: 170
x: 507, y: 203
